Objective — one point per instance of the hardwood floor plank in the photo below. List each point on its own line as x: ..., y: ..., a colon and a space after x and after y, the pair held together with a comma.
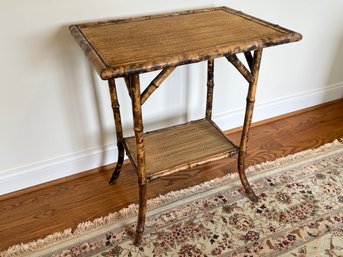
x: 30, y: 214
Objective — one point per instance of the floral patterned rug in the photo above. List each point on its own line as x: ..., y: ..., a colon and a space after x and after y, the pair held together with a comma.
x: 299, y: 213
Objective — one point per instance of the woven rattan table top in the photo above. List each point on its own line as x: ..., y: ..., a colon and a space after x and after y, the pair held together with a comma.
x: 121, y: 47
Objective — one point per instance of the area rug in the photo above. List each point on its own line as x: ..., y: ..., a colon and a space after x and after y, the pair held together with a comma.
x: 299, y: 213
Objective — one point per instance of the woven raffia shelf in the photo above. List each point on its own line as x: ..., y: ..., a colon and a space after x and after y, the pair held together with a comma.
x: 181, y: 147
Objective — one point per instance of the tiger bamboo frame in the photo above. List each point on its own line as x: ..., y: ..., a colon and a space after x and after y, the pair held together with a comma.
x: 184, y: 50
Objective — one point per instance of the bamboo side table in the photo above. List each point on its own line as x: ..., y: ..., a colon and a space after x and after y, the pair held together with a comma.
x: 128, y: 47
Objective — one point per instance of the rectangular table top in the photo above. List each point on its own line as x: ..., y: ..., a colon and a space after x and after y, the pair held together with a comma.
x: 122, y: 47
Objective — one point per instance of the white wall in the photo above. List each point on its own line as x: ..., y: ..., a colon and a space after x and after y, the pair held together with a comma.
x: 55, y: 117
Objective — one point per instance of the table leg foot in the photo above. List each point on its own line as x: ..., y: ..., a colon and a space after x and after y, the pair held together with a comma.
x: 251, y: 195
x: 116, y: 172
x: 138, y: 238
x: 141, y: 215
x: 249, y: 191
x: 115, y: 176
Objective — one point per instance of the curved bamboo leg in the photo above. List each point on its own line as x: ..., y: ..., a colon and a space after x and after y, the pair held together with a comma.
x: 247, y: 124
x: 138, y: 128
x: 119, y: 129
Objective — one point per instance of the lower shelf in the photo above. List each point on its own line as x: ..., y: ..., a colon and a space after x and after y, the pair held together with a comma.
x: 181, y: 147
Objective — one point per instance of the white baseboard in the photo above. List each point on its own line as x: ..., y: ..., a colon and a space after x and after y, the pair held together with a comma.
x: 38, y: 173
x: 34, y: 174
x: 281, y: 106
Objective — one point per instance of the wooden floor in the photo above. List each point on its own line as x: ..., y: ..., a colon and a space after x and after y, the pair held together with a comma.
x: 33, y: 213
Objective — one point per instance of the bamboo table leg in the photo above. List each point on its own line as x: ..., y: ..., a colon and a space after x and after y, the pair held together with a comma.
x: 247, y: 123
x: 119, y: 129
x: 138, y: 128
x: 210, y: 85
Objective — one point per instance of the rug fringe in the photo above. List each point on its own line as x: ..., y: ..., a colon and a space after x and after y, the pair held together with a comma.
x: 22, y: 249
x: 132, y: 210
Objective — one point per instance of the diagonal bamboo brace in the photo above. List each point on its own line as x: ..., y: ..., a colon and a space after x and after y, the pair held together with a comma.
x: 156, y: 83
x: 240, y: 67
